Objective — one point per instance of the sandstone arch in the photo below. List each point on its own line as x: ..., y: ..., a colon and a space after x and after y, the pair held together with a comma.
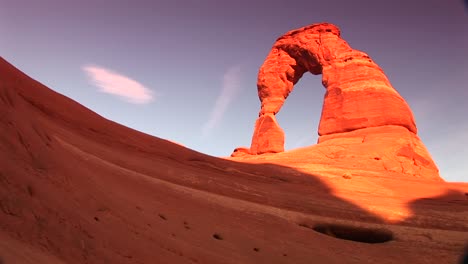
x: 359, y: 100
x: 358, y: 94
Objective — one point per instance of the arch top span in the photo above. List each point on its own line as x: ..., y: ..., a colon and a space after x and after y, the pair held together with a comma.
x: 316, y: 28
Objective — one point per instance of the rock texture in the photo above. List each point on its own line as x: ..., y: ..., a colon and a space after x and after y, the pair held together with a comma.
x: 77, y: 188
x: 383, y: 148
x: 358, y: 97
x: 269, y: 134
x: 240, y: 152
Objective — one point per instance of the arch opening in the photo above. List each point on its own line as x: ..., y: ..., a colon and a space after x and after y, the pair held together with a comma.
x: 300, y: 115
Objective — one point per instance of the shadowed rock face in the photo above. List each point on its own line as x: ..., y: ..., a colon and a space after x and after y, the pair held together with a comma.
x: 358, y: 96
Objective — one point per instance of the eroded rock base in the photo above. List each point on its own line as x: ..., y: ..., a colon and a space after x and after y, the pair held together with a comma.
x: 389, y: 148
x: 268, y: 136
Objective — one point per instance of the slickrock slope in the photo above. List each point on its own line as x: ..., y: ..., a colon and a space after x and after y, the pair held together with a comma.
x: 363, y: 116
x: 77, y: 188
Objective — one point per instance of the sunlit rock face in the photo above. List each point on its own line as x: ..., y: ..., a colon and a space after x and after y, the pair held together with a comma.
x: 358, y: 97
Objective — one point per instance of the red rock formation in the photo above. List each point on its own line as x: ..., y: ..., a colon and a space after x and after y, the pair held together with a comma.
x: 240, y: 152
x: 269, y: 134
x: 359, y: 96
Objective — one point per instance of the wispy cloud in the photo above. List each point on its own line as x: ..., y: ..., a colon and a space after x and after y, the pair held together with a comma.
x: 114, y: 83
x: 307, y: 140
x: 229, y: 91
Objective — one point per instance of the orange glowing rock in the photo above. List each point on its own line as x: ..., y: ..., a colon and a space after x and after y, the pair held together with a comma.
x: 358, y: 97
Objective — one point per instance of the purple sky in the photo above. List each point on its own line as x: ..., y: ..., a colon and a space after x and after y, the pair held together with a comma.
x: 186, y: 70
